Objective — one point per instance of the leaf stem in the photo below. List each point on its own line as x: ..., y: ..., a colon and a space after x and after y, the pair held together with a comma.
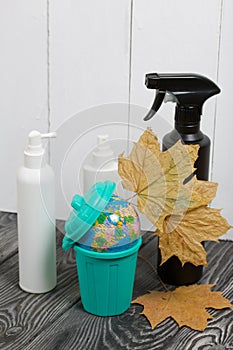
x: 127, y: 199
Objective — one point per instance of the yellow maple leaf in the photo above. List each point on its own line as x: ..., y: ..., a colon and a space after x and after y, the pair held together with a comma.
x: 186, y: 305
x: 192, y: 195
x: 181, y: 235
x: 157, y: 177
x: 175, y: 205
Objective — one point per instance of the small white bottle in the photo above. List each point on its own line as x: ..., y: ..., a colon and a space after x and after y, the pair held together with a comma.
x: 102, y: 166
x: 36, y: 218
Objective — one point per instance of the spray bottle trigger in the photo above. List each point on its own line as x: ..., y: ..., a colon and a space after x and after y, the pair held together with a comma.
x: 159, y: 97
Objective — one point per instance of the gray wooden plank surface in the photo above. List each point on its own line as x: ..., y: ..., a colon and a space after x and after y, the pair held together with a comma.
x: 56, y: 320
x: 8, y: 235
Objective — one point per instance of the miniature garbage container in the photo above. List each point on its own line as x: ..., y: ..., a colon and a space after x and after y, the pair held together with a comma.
x: 104, y: 231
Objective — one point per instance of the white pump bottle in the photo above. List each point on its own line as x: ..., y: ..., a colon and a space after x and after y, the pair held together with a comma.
x: 36, y: 218
x: 102, y: 166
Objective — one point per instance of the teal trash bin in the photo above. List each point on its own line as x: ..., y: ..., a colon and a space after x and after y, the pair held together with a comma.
x: 106, y: 280
x: 106, y: 253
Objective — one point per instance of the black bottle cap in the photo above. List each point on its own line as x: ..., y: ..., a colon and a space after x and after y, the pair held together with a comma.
x: 187, y: 115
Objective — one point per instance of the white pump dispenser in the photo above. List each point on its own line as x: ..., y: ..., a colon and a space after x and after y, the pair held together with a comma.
x: 103, y: 165
x: 36, y: 218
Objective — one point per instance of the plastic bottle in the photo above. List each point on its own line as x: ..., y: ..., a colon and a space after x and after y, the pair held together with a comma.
x: 189, y: 92
x: 36, y: 221
x: 102, y: 166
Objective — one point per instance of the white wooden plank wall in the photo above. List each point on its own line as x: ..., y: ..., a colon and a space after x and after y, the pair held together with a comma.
x: 73, y: 66
x: 23, y: 85
x: 222, y: 165
x: 89, y: 59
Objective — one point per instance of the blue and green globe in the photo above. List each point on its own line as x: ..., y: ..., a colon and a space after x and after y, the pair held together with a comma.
x: 117, y: 228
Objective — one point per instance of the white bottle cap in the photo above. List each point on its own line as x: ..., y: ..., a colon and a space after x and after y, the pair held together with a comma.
x: 103, y: 152
x: 34, y: 152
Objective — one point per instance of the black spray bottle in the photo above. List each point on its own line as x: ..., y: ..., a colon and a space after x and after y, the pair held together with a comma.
x: 189, y: 92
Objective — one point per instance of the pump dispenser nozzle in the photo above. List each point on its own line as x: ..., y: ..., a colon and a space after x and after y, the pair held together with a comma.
x: 34, y: 145
x: 189, y: 91
x: 34, y: 151
x: 103, y: 153
x: 102, y: 166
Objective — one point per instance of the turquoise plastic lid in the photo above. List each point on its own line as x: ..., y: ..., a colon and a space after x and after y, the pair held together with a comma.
x: 86, y: 210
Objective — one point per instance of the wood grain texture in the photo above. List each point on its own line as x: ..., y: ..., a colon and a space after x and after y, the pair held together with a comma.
x: 56, y: 320
x: 8, y: 236
x: 23, y: 315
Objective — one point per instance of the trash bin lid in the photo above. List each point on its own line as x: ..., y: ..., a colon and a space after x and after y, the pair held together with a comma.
x: 86, y: 210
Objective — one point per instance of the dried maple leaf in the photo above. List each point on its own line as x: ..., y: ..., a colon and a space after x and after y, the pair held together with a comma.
x: 182, y: 234
x: 157, y: 177
x: 177, y: 207
x: 186, y: 305
x: 192, y: 195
